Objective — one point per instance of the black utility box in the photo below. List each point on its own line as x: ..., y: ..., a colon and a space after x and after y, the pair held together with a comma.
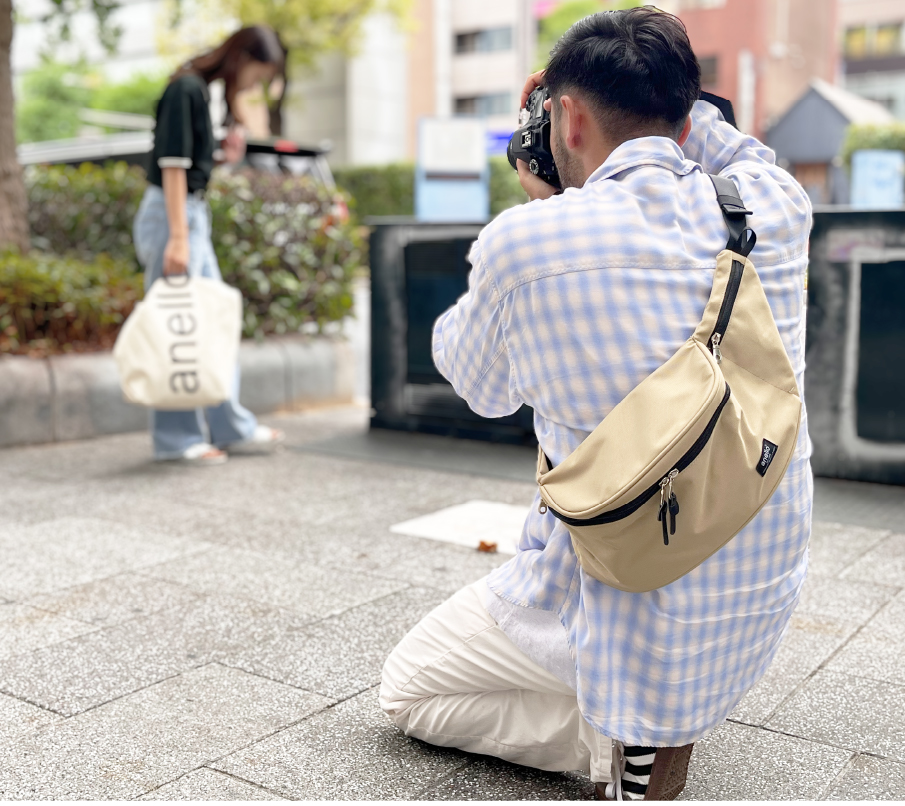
x: 419, y: 270
x: 855, y: 360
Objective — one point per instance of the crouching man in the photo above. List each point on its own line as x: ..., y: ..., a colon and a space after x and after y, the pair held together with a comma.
x: 573, y: 300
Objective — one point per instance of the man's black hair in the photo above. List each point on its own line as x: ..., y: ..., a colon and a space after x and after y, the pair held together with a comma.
x: 635, y: 67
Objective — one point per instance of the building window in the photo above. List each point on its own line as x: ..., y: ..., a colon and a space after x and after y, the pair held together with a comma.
x: 709, y: 76
x: 866, y: 41
x: 888, y: 40
x: 484, y: 41
x: 499, y: 103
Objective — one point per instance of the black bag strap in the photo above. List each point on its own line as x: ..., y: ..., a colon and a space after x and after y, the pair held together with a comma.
x: 741, y: 236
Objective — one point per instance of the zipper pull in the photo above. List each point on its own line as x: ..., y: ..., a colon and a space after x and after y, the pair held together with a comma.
x: 542, y: 507
x: 661, y: 516
x: 715, y: 341
x: 673, y: 511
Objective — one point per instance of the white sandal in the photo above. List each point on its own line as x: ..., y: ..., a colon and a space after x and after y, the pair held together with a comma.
x: 201, y: 454
x: 262, y: 437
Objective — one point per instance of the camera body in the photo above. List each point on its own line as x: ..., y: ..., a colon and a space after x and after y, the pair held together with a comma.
x: 531, y: 141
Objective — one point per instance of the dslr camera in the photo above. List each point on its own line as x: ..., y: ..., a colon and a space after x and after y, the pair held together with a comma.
x: 531, y: 141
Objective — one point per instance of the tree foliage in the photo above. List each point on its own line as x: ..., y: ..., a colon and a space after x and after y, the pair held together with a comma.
x: 137, y: 95
x: 49, y: 103
x: 52, y: 94
x: 310, y: 28
x: 565, y: 15
x: 886, y: 137
x: 59, y: 18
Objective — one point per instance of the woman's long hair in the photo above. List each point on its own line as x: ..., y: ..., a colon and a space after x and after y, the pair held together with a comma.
x: 258, y: 43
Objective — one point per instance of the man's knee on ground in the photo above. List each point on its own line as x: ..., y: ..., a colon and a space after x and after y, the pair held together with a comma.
x: 393, y: 700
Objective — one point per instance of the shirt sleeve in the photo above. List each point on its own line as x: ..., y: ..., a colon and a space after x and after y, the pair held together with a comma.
x: 719, y: 148
x: 174, y: 130
x: 715, y: 144
x: 470, y: 349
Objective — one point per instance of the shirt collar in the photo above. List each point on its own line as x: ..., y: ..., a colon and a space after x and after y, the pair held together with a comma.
x: 659, y: 151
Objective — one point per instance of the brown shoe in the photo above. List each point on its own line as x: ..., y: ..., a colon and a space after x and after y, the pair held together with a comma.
x: 667, y: 776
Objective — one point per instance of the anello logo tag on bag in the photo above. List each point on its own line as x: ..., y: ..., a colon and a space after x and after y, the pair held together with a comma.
x: 178, y: 349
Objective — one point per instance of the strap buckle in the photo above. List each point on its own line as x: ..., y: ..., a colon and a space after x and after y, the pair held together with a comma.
x: 741, y: 237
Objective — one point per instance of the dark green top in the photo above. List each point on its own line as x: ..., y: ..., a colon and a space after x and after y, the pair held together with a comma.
x: 184, y: 136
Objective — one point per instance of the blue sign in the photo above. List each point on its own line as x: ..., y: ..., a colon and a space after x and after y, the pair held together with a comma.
x: 497, y: 143
x: 878, y: 179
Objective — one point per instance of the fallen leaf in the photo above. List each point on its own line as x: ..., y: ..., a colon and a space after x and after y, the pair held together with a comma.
x: 487, y: 548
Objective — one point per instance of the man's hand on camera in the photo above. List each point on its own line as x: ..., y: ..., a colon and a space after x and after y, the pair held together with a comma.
x: 533, y: 185
x: 533, y: 81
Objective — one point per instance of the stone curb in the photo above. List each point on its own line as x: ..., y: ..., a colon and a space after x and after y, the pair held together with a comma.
x: 78, y: 396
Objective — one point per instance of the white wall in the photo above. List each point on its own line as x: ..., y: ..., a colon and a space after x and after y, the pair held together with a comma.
x: 377, y: 94
x: 315, y: 107
x: 360, y: 104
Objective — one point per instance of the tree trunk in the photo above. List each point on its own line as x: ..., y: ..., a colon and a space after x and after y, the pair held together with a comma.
x: 13, y: 202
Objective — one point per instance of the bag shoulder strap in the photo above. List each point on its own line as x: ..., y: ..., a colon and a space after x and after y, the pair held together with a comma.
x: 741, y: 236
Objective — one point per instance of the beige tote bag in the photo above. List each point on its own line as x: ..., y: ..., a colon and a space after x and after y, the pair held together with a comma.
x: 694, y: 451
x: 179, y: 347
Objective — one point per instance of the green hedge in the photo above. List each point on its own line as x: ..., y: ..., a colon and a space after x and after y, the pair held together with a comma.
x: 378, y: 189
x: 385, y: 190
x: 285, y: 242
x: 890, y: 136
x: 505, y: 190
x: 53, y: 304
x: 84, y: 211
x: 287, y: 245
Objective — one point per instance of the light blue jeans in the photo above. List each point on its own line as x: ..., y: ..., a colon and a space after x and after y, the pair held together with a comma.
x: 175, y: 431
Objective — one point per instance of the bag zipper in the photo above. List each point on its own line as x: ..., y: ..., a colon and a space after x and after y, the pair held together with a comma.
x: 722, y: 320
x: 669, y: 504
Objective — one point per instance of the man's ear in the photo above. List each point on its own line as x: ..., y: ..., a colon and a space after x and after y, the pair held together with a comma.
x: 571, y: 113
x: 686, y: 130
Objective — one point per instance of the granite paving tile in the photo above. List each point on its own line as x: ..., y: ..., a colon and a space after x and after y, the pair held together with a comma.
x: 207, y: 784
x: 343, y: 655
x: 115, y: 599
x: 443, y: 566
x: 738, y: 762
x: 491, y: 779
x: 864, y: 715
x: 884, y: 564
x: 18, y: 717
x: 808, y: 643
x: 127, y: 747
x: 348, y: 752
x: 316, y: 424
x: 282, y: 581
x: 878, y: 650
x: 359, y: 551
x: 870, y: 778
x: 48, y: 556
x: 842, y: 599
x: 23, y: 629
x: 835, y: 546
x: 73, y: 676
x: 64, y: 461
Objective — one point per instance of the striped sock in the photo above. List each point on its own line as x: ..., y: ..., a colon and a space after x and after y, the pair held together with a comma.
x: 639, y: 762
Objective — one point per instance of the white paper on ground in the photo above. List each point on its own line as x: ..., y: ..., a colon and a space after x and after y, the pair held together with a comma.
x: 470, y: 523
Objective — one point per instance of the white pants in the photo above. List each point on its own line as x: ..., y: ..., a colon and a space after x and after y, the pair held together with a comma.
x: 456, y: 680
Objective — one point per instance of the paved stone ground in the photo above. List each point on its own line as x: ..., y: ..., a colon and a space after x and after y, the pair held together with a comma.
x: 178, y: 633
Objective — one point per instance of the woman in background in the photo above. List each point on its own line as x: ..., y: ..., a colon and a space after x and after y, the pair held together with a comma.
x: 172, y: 229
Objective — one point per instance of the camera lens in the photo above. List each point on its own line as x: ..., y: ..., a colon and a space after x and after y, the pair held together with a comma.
x: 509, y: 155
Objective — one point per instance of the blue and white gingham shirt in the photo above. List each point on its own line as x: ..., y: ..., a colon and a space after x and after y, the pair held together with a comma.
x: 572, y: 302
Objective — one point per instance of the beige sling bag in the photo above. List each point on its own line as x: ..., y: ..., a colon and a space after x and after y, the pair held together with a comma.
x: 694, y: 451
